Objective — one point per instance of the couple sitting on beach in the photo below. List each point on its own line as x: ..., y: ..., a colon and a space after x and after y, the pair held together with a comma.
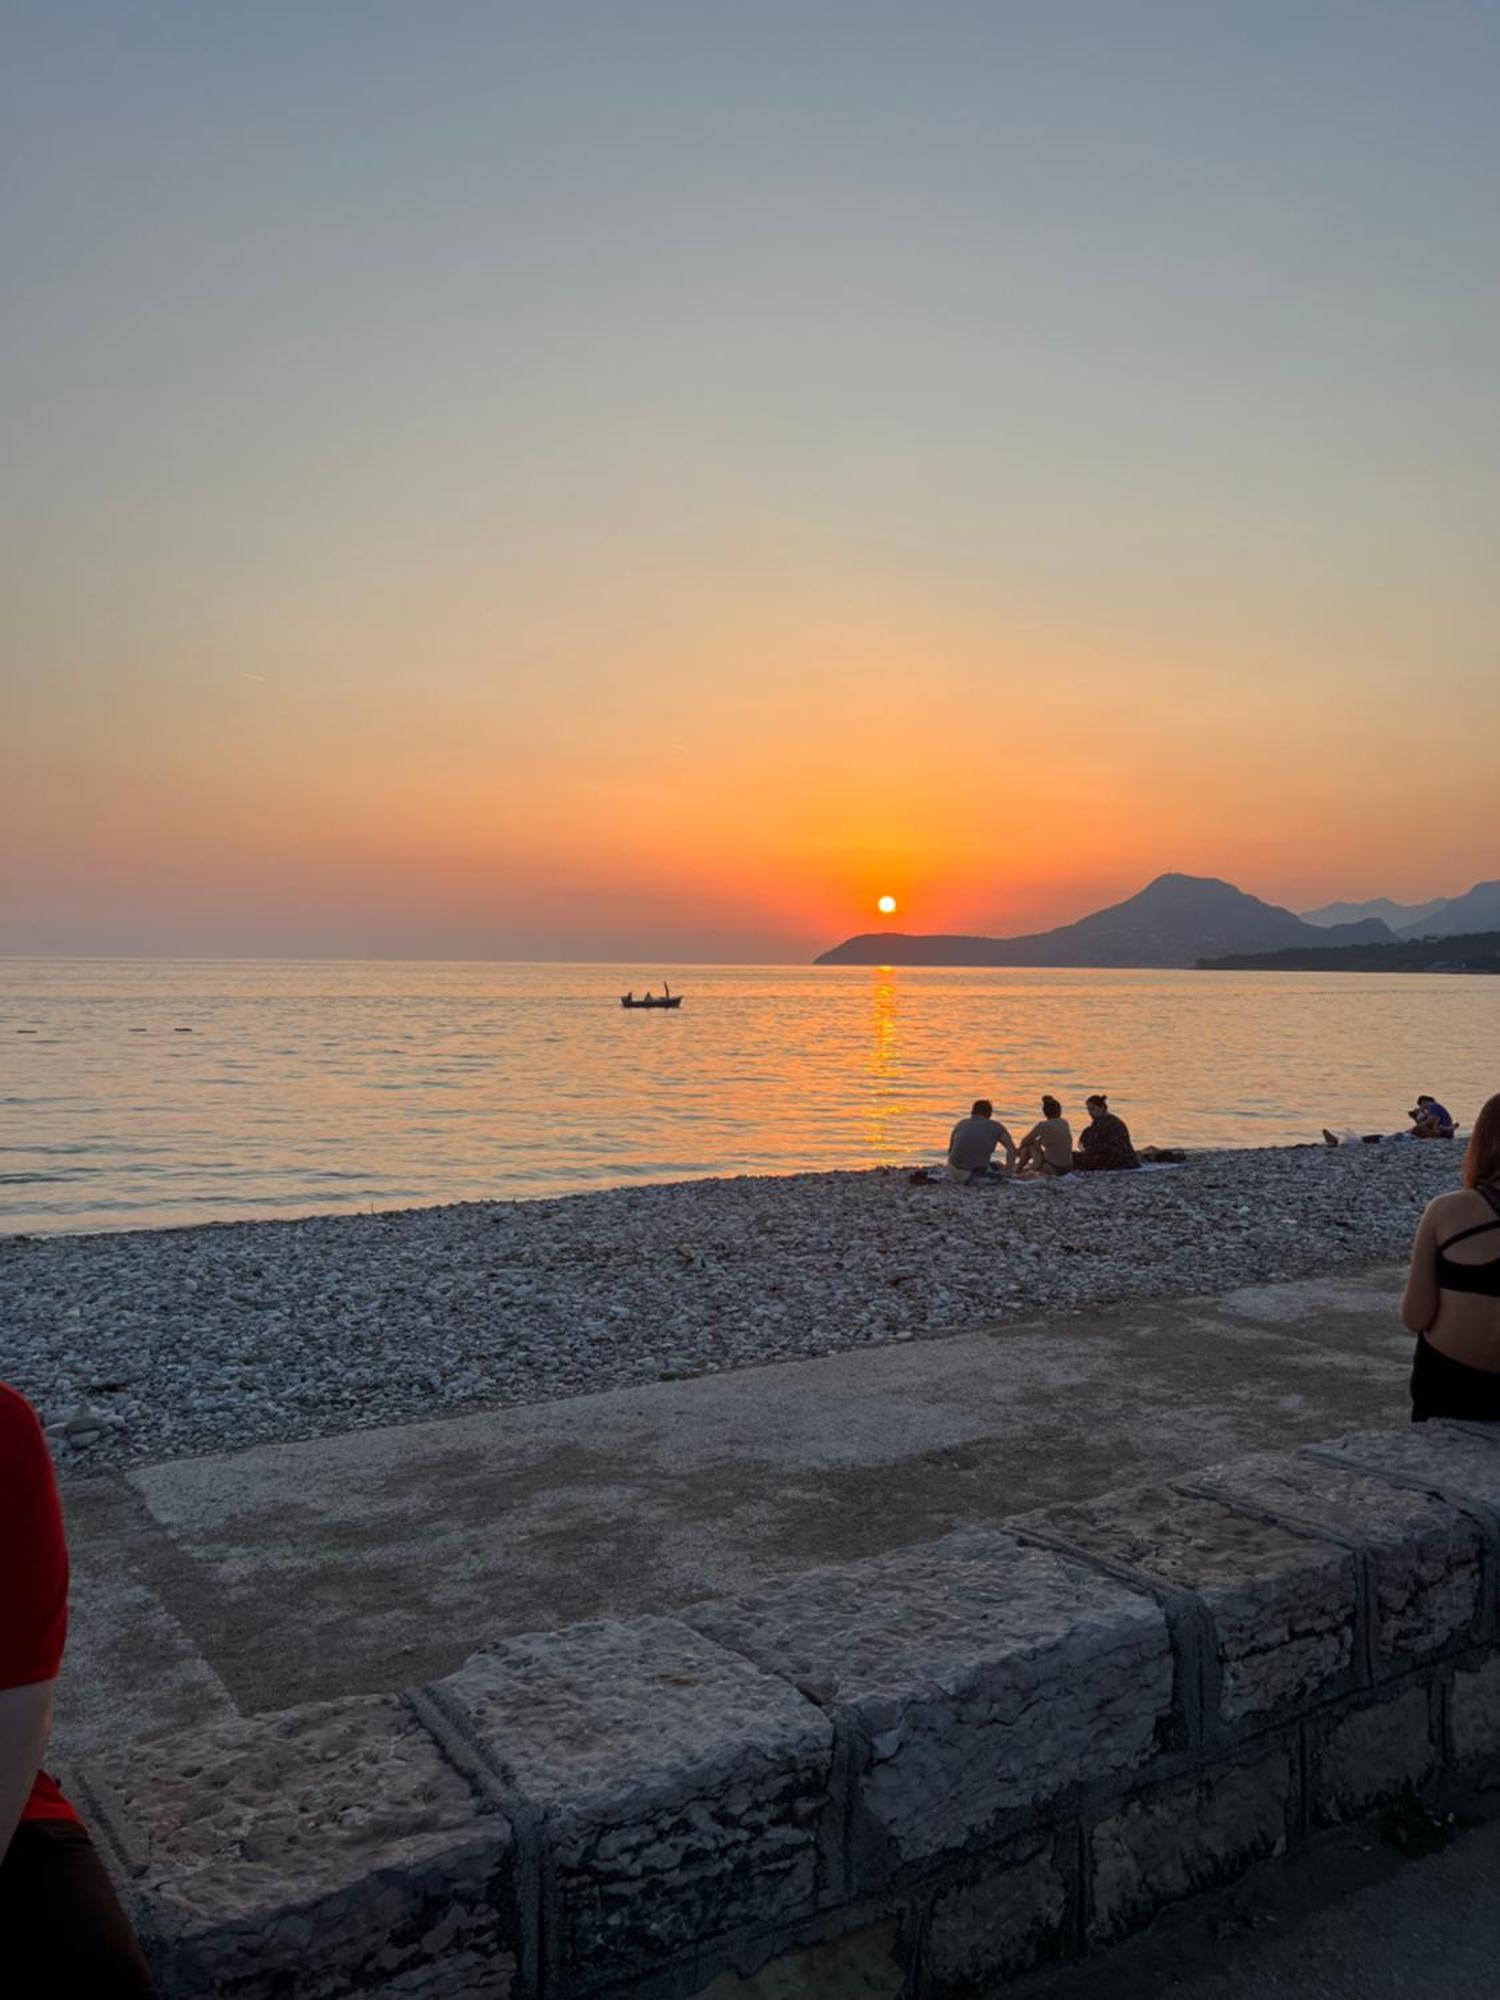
x: 1429, y: 1120
x: 1047, y: 1152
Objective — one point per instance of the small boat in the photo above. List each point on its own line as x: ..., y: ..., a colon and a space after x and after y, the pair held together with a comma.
x: 666, y: 998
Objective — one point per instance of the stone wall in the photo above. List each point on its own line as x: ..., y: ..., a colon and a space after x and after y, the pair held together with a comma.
x: 912, y: 1778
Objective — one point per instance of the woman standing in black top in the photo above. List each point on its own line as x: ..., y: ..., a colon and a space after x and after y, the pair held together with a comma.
x: 1452, y: 1298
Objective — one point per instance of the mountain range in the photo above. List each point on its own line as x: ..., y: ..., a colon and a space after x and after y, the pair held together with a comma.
x: 1478, y: 909
x: 1175, y: 920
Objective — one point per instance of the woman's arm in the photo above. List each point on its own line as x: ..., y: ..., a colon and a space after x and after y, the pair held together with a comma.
x: 1420, y: 1300
x: 25, y: 1725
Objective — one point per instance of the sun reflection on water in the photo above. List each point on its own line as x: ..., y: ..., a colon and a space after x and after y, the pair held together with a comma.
x: 882, y: 1099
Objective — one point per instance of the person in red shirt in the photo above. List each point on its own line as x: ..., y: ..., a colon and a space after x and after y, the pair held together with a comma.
x: 61, y: 1926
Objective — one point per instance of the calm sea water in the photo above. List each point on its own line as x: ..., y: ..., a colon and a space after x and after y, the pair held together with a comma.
x: 320, y: 1087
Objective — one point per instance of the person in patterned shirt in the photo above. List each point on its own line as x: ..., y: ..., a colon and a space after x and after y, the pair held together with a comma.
x: 1104, y: 1143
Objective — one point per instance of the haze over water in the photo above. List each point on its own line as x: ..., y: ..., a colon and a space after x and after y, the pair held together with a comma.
x: 332, y: 1087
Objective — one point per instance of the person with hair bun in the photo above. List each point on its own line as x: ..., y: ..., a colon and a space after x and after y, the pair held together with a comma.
x: 1047, y: 1150
x: 1452, y: 1297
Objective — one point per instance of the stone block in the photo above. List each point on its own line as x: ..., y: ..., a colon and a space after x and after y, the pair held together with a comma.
x: 1474, y: 1718
x: 862, y: 1965
x: 1186, y: 1836
x: 1282, y: 1604
x: 326, y: 1850
x: 678, y: 1791
x: 969, y: 1678
x: 1461, y: 1460
x: 1426, y: 1556
x: 1011, y: 1913
x: 1370, y: 1755
x: 448, y: 1979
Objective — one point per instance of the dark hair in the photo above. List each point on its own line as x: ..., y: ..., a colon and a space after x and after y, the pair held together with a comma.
x: 1424, y: 1098
x: 1051, y: 1108
x: 1482, y: 1160
x: 982, y: 1108
x: 1098, y: 1098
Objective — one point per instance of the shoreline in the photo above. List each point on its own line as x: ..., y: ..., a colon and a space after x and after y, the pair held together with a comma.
x: 307, y: 1218
x: 139, y: 1346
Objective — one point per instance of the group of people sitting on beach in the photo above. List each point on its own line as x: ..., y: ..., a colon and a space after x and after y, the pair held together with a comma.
x: 1047, y: 1152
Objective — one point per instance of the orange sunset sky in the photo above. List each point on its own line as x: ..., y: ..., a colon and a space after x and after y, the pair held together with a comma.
x: 642, y: 481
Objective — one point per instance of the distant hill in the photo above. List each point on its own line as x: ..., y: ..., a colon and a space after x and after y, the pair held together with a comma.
x: 1477, y: 952
x: 1478, y: 909
x: 1396, y: 915
x: 1175, y: 920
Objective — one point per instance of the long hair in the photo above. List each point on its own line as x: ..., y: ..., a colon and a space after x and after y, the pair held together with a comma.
x: 1482, y: 1160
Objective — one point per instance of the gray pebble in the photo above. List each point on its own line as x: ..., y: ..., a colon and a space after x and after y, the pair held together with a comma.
x: 238, y: 1334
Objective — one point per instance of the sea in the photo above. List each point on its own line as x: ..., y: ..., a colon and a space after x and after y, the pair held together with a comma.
x: 137, y: 1094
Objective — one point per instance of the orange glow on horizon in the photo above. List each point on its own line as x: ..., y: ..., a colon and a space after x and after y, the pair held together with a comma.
x: 623, y: 797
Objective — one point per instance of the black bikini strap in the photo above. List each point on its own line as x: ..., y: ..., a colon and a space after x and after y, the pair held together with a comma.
x: 1478, y: 1229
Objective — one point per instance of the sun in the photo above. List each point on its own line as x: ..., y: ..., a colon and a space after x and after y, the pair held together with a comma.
x: 887, y: 906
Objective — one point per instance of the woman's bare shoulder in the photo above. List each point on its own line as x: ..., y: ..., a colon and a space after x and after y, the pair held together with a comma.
x: 1458, y: 1203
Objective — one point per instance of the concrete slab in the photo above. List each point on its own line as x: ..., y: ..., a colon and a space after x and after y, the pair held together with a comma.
x: 380, y: 1559
x: 131, y: 1669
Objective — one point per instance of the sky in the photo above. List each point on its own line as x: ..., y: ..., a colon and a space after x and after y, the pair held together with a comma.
x: 637, y: 481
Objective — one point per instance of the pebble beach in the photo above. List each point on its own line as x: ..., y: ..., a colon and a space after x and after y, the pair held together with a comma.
x: 158, y: 1344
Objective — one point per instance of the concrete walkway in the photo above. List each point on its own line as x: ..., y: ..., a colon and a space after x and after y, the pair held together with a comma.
x: 382, y: 1558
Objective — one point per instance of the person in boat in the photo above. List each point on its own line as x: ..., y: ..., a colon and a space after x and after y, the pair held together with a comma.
x: 1104, y: 1144
x: 1047, y: 1150
x: 972, y: 1143
x: 1452, y: 1297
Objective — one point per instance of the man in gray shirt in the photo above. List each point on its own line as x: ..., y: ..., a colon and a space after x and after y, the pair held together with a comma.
x: 974, y: 1139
